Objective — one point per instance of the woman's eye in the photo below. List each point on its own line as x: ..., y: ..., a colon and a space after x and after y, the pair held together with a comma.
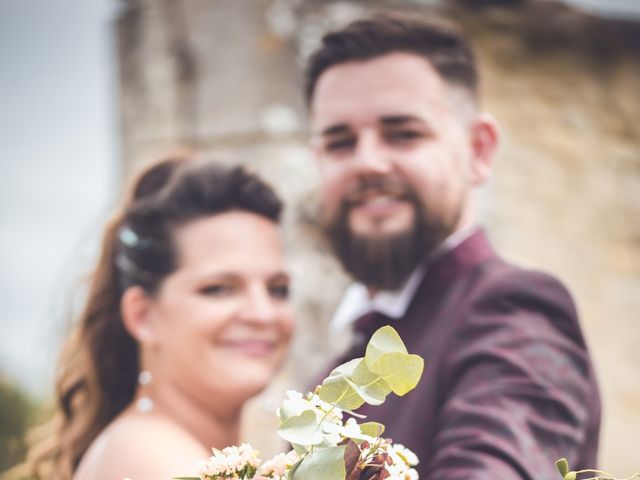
x: 217, y: 290
x: 279, y: 291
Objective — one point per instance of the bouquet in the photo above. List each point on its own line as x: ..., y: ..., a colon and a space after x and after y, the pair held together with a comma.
x: 328, y: 447
x: 325, y: 445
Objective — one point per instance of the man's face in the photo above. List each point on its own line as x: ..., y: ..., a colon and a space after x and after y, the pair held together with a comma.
x: 395, y: 150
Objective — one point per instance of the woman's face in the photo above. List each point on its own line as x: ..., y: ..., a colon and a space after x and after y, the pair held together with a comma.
x: 221, y: 321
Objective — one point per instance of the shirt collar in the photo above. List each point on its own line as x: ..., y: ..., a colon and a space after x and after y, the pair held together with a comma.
x: 392, y: 303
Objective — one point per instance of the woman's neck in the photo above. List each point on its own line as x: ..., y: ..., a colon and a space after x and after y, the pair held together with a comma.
x: 213, y: 425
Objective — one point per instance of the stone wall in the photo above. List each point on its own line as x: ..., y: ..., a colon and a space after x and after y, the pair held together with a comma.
x: 565, y: 196
x: 223, y: 76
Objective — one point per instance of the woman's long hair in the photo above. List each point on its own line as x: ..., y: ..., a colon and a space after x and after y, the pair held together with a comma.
x: 98, y: 368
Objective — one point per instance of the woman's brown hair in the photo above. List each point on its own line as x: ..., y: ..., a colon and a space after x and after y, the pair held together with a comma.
x: 98, y: 369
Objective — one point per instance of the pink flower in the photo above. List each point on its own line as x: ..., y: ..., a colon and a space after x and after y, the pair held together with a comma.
x: 278, y: 465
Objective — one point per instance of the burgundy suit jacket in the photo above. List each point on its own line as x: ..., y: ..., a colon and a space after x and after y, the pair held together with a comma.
x: 508, y: 385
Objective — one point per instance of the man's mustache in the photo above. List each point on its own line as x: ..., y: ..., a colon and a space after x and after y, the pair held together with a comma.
x: 368, y: 188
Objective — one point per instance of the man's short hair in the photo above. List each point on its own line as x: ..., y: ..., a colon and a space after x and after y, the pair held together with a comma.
x: 442, y: 44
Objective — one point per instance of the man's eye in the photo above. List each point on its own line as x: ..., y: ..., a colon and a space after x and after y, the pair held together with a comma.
x: 217, y: 290
x: 279, y: 291
x: 403, y: 135
x: 340, y: 144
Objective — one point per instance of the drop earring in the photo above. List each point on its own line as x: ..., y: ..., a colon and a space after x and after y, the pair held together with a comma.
x: 144, y: 404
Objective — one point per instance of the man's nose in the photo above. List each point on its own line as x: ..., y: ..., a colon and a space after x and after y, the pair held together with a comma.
x: 370, y: 156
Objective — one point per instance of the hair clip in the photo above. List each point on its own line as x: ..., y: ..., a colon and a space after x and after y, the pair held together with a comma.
x: 128, y: 237
x: 131, y: 239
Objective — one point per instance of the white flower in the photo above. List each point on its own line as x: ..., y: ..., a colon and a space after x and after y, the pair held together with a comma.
x: 351, y: 429
x: 402, y: 459
x: 278, y: 465
x: 409, y: 458
x: 228, y: 461
x: 296, y: 403
x: 412, y: 474
x: 333, y: 414
x: 249, y: 455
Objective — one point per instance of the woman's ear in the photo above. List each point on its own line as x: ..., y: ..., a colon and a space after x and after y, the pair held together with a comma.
x: 135, y: 307
x: 484, y: 142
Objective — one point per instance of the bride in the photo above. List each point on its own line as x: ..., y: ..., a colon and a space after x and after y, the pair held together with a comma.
x: 186, y: 319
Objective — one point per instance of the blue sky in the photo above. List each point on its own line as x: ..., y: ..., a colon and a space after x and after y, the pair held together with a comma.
x: 58, y: 169
x: 614, y: 8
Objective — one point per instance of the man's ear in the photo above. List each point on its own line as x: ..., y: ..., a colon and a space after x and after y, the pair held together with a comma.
x: 135, y: 307
x: 484, y: 142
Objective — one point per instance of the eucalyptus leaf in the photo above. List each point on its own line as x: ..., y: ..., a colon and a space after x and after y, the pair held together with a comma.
x: 339, y: 391
x: 285, y: 412
x: 373, y: 429
x: 563, y: 466
x: 300, y: 449
x: 301, y: 429
x: 346, y: 369
x: 400, y: 371
x: 322, y: 464
x: 293, y: 406
x: 384, y: 340
x: 293, y: 468
x: 354, y: 414
x: 370, y: 394
x: 369, y: 385
x: 352, y: 384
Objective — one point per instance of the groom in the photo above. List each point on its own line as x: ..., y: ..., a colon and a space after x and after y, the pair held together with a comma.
x: 402, y: 147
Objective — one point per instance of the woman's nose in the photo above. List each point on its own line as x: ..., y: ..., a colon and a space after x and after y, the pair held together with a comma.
x: 259, y: 306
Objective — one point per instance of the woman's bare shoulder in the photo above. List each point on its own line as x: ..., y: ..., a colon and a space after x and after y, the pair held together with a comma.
x: 141, y: 447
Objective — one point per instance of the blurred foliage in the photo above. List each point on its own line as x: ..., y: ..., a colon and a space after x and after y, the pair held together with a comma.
x: 17, y: 414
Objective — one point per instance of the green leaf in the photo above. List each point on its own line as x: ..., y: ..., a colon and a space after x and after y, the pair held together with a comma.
x: 384, y: 340
x: 301, y: 429
x: 386, y: 367
x: 369, y: 385
x: 346, y: 369
x: 571, y: 475
x: 401, y: 371
x: 563, y: 466
x: 286, y: 411
x: 369, y: 395
x: 300, y: 449
x: 373, y: 429
x: 354, y: 414
x: 351, y: 384
x: 339, y: 391
x: 322, y: 464
x: 293, y: 468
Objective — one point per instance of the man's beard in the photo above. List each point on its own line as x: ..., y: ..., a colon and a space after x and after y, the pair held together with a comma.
x: 385, y: 261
